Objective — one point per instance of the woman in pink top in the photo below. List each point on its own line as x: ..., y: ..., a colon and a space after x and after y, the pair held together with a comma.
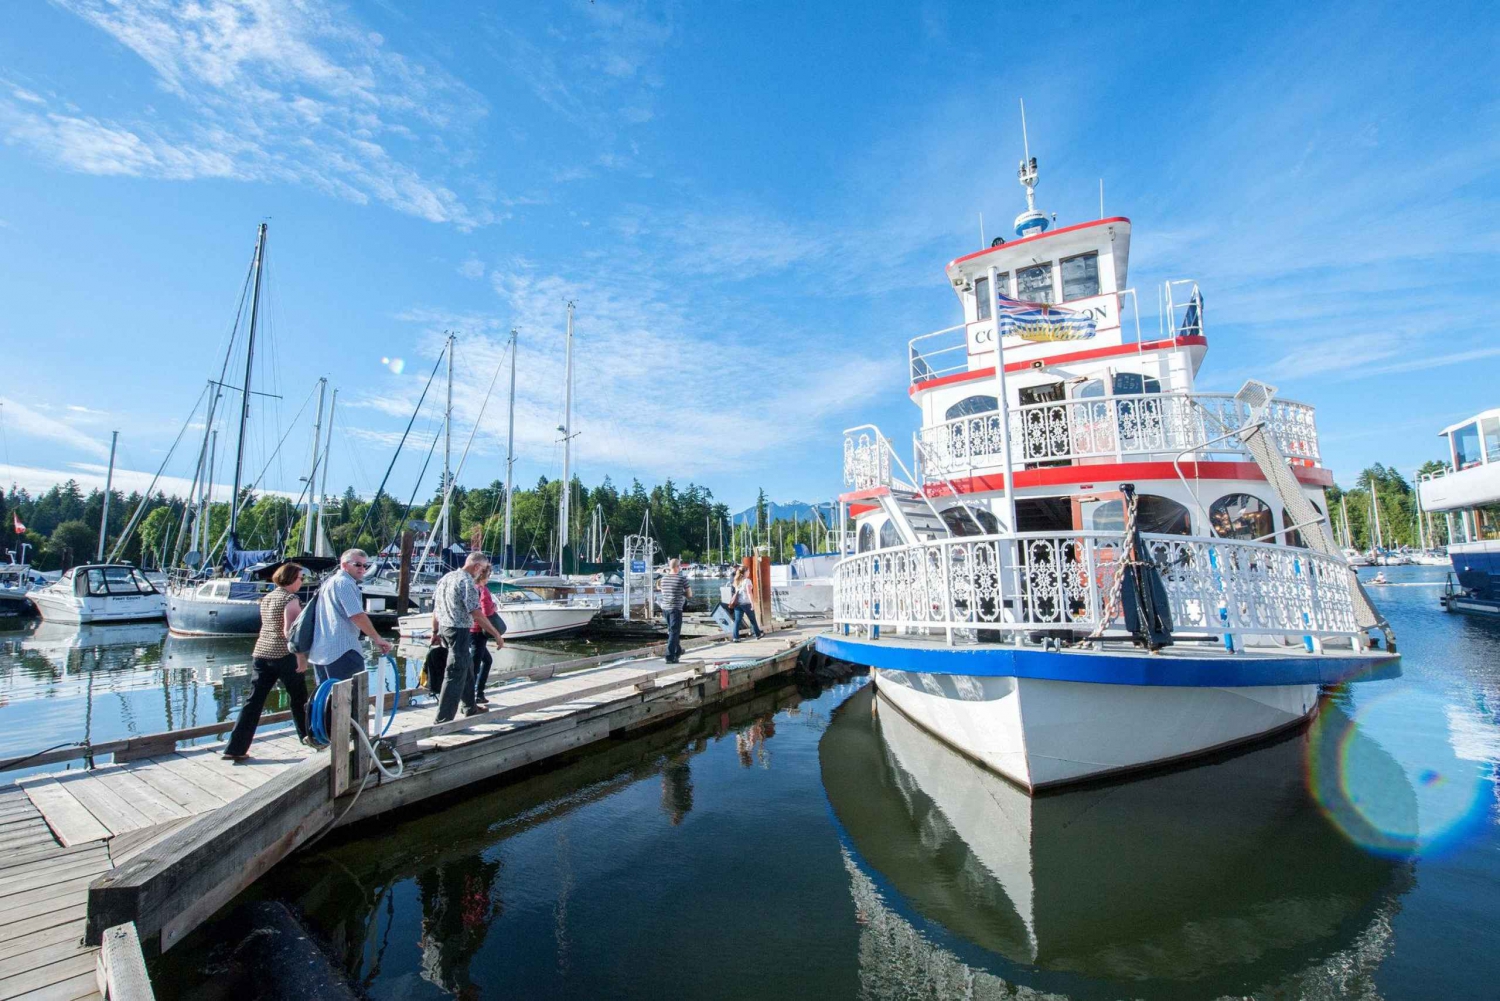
x: 481, y: 637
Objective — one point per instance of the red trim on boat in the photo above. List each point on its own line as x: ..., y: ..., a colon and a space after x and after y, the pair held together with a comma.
x: 855, y: 510
x: 1187, y: 340
x: 866, y: 494
x: 1040, y: 236
x: 1107, y: 475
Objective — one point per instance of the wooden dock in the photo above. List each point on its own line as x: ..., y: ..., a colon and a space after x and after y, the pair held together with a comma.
x: 142, y: 841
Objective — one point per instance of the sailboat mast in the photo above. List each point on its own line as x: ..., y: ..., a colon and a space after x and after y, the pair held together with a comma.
x: 510, y: 447
x: 239, y: 452
x: 205, y: 517
x: 323, y: 490
x: 312, y: 472
x: 109, y: 479
x: 448, y: 442
x: 1375, y: 507
x: 562, y: 510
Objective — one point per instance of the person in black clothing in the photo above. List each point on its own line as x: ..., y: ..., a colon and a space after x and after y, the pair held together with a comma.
x: 274, y: 662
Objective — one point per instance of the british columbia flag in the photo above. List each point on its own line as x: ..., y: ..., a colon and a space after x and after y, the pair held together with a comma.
x: 1037, y: 321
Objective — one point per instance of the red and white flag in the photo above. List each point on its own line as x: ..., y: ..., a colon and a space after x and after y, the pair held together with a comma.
x: 20, y: 528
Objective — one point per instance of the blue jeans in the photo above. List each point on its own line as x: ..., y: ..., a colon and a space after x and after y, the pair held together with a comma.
x: 741, y: 613
x: 349, y: 663
x: 674, y: 634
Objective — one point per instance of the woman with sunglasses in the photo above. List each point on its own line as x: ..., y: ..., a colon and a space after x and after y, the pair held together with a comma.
x: 274, y: 663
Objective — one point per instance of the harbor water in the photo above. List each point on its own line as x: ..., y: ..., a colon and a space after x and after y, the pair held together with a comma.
x: 812, y: 842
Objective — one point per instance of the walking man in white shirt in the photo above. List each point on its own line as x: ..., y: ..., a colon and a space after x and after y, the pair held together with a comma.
x: 456, y: 607
x: 342, y: 619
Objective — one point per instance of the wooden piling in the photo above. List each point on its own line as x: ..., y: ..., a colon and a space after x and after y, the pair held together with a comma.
x: 403, y: 577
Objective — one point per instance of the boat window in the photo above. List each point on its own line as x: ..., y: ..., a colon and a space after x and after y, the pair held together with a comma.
x: 1491, y: 428
x: 970, y: 406
x: 962, y: 522
x: 1241, y: 516
x: 1002, y: 284
x: 866, y: 538
x: 1035, y: 284
x: 1134, y: 384
x: 1153, y: 513
x: 1093, y: 389
x: 1080, y: 276
x: 982, y: 298
x: 1294, y: 537
x: 96, y: 585
x: 1044, y: 514
x: 1466, y: 446
x: 889, y: 536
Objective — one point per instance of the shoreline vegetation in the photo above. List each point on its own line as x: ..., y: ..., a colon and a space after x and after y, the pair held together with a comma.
x: 62, y: 523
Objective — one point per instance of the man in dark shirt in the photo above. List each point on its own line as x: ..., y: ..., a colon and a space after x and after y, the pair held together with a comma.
x: 673, y: 596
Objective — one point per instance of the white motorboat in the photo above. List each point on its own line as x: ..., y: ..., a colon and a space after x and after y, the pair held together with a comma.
x: 1467, y: 495
x: 1355, y: 558
x: 100, y: 592
x: 805, y: 585
x: 1096, y: 567
x: 525, y: 614
x: 16, y: 579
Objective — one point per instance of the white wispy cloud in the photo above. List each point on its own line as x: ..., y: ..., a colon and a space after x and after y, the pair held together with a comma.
x: 34, y: 422
x: 286, y: 90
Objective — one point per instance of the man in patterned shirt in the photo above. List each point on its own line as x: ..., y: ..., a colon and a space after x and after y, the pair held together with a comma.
x: 455, y: 607
x: 673, y: 596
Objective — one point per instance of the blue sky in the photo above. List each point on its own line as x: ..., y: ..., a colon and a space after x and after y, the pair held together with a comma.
x: 750, y: 204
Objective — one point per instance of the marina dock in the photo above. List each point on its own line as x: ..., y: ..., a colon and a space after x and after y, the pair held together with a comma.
x: 142, y: 841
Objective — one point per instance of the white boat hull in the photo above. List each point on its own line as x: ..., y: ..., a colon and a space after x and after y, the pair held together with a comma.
x: 1039, y: 732
x: 520, y: 623
x: 55, y: 607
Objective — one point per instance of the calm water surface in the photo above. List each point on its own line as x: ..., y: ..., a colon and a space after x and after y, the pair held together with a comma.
x: 814, y: 844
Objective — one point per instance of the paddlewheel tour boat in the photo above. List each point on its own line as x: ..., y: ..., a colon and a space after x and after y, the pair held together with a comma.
x: 1467, y: 495
x: 1091, y: 565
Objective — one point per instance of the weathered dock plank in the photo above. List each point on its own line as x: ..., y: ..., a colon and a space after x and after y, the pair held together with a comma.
x: 68, y: 818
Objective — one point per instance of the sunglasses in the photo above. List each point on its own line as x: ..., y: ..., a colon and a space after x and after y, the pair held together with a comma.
x: 362, y: 566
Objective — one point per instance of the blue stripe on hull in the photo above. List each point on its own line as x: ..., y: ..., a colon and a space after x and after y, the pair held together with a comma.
x: 1177, y: 669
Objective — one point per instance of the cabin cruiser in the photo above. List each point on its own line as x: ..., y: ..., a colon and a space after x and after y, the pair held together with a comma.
x: 1467, y: 494
x: 526, y: 615
x: 1097, y: 566
x: 16, y: 579
x: 605, y: 593
x: 100, y: 592
x: 805, y: 585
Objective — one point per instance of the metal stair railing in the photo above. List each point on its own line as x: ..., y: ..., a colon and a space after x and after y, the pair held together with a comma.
x: 923, y: 460
x: 883, y: 455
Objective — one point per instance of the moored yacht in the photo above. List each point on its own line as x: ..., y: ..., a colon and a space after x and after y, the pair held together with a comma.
x: 1096, y: 566
x: 100, y: 592
x: 1467, y: 495
x: 526, y: 615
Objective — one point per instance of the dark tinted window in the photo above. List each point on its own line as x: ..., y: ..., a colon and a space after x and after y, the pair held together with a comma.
x: 889, y: 536
x: 1241, y: 516
x: 1161, y: 515
x: 961, y: 521
x: 970, y: 406
x: 1294, y: 537
x: 1035, y: 284
x: 866, y: 538
x: 1134, y: 384
x: 1080, y: 276
x: 982, y: 295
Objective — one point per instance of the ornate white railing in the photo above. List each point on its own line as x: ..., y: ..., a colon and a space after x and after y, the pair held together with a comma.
x: 868, y: 455
x: 1161, y: 424
x: 1038, y: 581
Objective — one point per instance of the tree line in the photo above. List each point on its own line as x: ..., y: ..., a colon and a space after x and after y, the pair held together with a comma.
x: 62, y: 523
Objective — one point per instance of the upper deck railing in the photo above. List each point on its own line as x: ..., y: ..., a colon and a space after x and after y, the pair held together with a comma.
x: 1164, y: 425
x: 961, y: 588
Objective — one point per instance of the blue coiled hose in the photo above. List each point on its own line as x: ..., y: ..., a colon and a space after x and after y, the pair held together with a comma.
x: 317, y: 717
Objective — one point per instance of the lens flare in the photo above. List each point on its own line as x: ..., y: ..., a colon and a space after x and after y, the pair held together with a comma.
x: 1390, y: 777
x: 396, y: 365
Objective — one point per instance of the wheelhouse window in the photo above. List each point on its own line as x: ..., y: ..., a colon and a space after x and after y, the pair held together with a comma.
x: 1490, y: 427
x: 1241, y: 516
x: 1466, y: 447
x: 1080, y: 276
x: 1035, y: 284
x: 970, y: 406
x: 1159, y: 515
x: 1002, y: 283
x: 982, y: 298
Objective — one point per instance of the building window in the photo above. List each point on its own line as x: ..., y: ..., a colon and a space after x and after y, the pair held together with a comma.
x: 970, y: 406
x: 1241, y: 516
x: 1158, y: 515
x: 888, y: 535
x: 1035, y: 284
x: 1466, y: 446
x: 866, y: 538
x: 982, y: 298
x: 1080, y: 276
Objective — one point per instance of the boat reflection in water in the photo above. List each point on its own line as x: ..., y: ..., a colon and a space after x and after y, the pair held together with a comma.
x: 1225, y: 877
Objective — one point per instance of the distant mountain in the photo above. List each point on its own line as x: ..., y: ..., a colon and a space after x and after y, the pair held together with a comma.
x: 783, y: 512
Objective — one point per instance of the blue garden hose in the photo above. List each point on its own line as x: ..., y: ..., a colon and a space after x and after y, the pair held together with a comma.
x: 317, y: 719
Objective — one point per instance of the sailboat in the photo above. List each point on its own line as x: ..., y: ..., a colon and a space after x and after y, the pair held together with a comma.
x: 222, y: 598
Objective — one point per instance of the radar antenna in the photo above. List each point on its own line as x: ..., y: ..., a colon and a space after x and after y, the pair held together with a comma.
x: 1030, y: 222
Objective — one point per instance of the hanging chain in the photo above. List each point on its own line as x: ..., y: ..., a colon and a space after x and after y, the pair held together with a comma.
x: 1127, y: 559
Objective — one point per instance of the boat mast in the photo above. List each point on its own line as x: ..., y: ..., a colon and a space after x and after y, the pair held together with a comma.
x: 1344, y: 507
x: 1375, y: 507
x: 109, y: 478
x: 448, y: 444
x: 205, y: 509
x: 323, y: 489
x: 312, y: 473
x: 510, y: 447
x: 239, y: 452
x: 567, y: 430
